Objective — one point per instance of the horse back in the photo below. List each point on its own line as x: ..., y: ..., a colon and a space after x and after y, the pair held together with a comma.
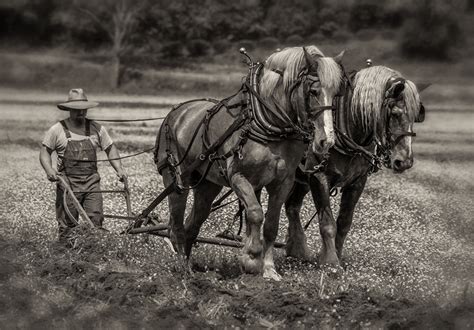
x: 179, y: 128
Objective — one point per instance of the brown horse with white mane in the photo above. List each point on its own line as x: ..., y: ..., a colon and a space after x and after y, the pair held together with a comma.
x: 374, y: 126
x: 251, y: 140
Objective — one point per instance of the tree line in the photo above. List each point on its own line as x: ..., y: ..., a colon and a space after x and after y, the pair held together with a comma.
x: 178, y: 28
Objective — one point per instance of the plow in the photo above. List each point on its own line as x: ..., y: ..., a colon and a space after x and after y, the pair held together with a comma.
x: 146, y: 224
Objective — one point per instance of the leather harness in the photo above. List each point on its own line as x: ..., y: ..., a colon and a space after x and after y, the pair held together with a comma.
x: 344, y: 142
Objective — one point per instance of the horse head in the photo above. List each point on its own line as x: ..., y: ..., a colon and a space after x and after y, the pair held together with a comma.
x: 387, y: 105
x: 305, y: 82
x: 403, y: 108
x: 320, y: 91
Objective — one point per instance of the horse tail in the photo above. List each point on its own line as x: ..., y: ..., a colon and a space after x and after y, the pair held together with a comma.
x: 157, y: 142
x: 159, y: 136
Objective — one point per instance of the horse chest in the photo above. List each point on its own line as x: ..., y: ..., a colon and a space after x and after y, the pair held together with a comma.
x: 345, y: 171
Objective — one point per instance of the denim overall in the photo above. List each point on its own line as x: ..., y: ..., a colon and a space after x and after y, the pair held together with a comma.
x: 81, y: 176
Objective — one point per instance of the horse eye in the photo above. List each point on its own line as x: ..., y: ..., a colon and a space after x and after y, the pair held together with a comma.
x: 315, y: 89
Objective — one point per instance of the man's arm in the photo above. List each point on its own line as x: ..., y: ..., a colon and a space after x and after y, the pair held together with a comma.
x: 47, y: 163
x: 112, y: 154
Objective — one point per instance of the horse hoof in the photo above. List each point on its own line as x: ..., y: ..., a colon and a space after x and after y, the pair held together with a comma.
x: 170, y: 245
x: 328, y: 259
x: 298, y: 252
x: 183, y: 267
x: 271, y: 273
x: 333, y: 271
x: 251, y: 265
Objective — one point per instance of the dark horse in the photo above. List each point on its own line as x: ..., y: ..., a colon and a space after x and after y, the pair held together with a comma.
x: 253, y: 139
x: 374, y: 126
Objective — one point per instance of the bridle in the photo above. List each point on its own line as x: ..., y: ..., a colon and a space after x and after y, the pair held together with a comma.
x: 391, y: 139
x: 302, y: 129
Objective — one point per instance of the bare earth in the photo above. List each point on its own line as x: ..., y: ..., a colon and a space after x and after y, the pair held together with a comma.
x: 409, y: 260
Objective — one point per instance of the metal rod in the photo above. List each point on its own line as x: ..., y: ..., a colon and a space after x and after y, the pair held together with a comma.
x: 124, y: 217
x: 217, y: 207
x: 126, y: 193
x: 99, y: 191
x: 222, y: 198
x: 213, y: 241
x: 147, y: 229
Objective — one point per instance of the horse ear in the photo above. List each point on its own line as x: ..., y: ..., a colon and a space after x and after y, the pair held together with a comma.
x: 396, y: 87
x: 420, y: 117
x: 312, y: 63
x: 338, y: 57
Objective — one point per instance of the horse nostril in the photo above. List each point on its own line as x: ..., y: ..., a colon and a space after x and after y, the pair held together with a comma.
x: 323, y: 143
x: 319, y: 145
x: 397, y: 164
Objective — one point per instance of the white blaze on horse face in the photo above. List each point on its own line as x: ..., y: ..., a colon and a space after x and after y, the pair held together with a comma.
x: 328, y: 121
x: 409, y: 142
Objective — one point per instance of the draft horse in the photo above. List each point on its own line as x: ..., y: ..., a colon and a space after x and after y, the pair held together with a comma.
x: 374, y: 127
x: 248, y: 141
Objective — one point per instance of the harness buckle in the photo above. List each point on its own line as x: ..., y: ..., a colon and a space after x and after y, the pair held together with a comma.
x: 202, y: 157
x: 239, y: 152
x: 212, y: 157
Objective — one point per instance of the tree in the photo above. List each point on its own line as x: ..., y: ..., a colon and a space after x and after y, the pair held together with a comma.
x: 433, y: 31
x: 118, y: 19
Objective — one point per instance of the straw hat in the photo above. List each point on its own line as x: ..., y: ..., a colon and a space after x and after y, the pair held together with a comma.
x: 77, y: 100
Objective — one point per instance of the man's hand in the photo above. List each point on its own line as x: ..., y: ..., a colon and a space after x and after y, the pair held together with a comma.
x: 52, y: 176
x: 122, y: 176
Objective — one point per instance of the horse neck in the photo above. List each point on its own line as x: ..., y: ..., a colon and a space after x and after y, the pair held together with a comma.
x: 355, y: 128
x: 239, y: 97
x: 353, y: 124
x: 280, y: 102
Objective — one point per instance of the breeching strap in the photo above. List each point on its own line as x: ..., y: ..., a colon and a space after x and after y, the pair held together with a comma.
x: 194, y: 165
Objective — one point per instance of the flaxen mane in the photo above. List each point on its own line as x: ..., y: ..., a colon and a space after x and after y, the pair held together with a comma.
x: 412, y: 99
x: 369, y: 93
x: 290, y: 61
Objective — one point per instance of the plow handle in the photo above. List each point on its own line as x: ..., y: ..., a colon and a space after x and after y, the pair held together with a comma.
x: 76, y: 203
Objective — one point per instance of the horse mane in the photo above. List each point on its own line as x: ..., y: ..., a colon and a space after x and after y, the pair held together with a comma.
x: 369, y: 93
x: 412, y: 99
x: 290, y: 61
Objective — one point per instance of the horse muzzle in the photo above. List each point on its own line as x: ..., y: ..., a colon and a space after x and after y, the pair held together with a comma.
x: 399, y: 165
x: 321, y: 144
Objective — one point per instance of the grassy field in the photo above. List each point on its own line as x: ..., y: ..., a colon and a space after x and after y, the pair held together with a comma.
x: 408, y: 261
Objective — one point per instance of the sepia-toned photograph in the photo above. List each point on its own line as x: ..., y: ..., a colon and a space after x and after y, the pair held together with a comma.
x: 247, y: 164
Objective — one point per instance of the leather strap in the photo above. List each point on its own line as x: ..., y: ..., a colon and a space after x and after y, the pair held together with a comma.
x: 88, y: 127
x: 66, y: 129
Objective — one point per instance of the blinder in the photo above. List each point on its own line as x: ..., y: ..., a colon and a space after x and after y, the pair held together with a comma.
x: 395, y: 87
x: 308, y: 78
x: 420, y: 117
x: 392, y: 95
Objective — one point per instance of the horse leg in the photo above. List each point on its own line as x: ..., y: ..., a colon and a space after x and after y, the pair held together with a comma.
x: 251, y: 258
x: 177, y: 207
x: 350, y: 197
x: 327, y: 225
x: 258, y: 194
x: 296, y: 245
x: 277, y: 194
x: 204, y: 195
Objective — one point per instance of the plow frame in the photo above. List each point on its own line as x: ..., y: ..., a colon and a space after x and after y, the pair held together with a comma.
x: 151, y: 226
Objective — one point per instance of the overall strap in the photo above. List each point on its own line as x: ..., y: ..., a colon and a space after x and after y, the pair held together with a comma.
x: 88, y: 127
x: 66, y: 130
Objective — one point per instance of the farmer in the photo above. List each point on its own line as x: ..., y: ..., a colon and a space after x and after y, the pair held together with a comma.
x: 74, y: 139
